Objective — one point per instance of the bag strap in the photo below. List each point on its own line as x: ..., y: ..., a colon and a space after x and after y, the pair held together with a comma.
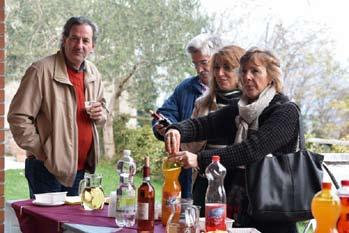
x: 330, y: 174
x: 302, y: 144
x: 301, y: 138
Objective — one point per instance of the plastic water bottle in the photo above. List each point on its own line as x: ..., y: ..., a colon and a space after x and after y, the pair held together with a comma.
x: 343, y: 193
x: 215, y: 201
x: 126, y: 198
x: 325, y: 207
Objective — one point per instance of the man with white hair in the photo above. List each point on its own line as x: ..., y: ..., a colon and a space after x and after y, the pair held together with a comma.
x: 180, y: 104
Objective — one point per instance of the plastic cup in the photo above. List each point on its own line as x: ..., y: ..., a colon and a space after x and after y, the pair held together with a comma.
x: 88, y: 105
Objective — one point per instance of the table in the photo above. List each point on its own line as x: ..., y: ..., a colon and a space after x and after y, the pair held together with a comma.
x: 82, y: 228
x: 67, y: 218
x: 73, y: 218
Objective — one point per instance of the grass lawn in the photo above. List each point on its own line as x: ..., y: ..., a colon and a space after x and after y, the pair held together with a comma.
x: 16, y: 186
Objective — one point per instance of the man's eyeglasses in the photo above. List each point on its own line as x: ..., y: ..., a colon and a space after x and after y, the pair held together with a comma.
x: 202, y: 63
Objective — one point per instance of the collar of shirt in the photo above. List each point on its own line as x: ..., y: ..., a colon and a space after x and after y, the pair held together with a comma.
x: 81, y: 68
x: 203, y: 86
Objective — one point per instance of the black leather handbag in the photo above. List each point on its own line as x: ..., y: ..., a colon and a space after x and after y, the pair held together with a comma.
x: 280, y: 187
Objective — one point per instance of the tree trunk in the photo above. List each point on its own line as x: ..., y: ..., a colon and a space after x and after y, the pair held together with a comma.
x: 108, y: 134
x: 108, y: 138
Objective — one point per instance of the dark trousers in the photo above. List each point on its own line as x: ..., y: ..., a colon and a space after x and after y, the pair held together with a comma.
x: 185, y: 182
x: 199, y: 193
x: 40, y: 180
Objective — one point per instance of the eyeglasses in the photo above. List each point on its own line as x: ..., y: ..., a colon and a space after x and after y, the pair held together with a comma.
x: 202, y: 63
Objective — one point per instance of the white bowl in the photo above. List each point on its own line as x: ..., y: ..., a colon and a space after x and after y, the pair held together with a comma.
x: 228, y: 222
x: 50, y: 198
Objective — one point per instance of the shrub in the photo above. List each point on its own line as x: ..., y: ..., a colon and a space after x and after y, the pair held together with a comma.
x: 342, y: 149
x: 141, y: 142
x: 327, y: 148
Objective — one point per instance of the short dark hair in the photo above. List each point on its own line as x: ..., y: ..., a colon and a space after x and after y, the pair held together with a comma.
x: 79, y: 20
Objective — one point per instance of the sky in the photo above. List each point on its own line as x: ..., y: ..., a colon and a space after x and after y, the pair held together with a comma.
x: 332, y: 13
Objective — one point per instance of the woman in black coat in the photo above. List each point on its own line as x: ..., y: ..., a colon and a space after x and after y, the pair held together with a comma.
x: 261, y: 123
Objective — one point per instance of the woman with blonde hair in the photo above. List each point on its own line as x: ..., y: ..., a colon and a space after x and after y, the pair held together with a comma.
x: 223, y: 90
x: 262, y: 123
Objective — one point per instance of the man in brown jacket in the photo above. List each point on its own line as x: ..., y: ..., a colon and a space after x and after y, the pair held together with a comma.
x: 48, y: 118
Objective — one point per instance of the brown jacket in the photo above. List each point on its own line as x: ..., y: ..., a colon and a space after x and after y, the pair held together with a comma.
x: 42, y: 116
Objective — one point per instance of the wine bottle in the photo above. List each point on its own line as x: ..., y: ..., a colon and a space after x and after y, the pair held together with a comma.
x: 145, y: 202
x: 161, y: 119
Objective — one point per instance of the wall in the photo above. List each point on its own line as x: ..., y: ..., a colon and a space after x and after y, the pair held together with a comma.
x: 2, y: 107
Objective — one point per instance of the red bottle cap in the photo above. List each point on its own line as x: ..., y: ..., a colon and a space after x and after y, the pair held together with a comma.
x: 326, y: 185
x: 216, y: 158
x: 345, y: 182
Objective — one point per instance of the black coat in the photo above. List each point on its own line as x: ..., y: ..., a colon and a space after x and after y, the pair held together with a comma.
x: 277, y: 132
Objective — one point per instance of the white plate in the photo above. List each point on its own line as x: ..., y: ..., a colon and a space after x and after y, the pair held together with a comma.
x: 72, y: 200
x: 48, y: 204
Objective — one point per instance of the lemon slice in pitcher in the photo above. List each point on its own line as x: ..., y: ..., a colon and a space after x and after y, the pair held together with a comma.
x: 97, y: 198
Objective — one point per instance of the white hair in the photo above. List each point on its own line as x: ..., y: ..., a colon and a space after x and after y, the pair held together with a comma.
x: 205, y: 43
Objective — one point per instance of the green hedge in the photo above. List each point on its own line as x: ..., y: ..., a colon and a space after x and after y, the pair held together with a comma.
x: 321, y: 148
x: 141, y: 142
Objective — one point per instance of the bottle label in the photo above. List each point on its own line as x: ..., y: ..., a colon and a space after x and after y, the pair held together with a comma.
x: 143, y: 211
x: 343, y: 222
x: 126, y: 201
x: 126, y: 204
x: 215, y: 216
x: 171, y: 198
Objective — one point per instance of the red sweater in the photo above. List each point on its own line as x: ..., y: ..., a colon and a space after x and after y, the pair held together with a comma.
x: 85, y: 137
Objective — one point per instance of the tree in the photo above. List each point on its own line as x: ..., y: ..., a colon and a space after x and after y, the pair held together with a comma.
x: 143, y: 45
x: 312, y: 76
x: 140, y: 48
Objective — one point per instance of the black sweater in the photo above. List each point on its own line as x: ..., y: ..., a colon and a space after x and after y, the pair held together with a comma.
x: 277, y: 133
x: 223, y: 100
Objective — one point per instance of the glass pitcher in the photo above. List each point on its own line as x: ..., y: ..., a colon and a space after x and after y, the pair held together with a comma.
x: 91, y: 192
x: 188, y: 219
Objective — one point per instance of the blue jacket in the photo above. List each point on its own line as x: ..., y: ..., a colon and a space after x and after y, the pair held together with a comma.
x: 178, y: 107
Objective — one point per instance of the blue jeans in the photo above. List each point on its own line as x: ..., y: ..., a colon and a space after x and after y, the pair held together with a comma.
x: 40, y: 180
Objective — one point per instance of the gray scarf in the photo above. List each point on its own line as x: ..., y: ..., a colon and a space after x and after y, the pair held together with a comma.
x: 249, y: 113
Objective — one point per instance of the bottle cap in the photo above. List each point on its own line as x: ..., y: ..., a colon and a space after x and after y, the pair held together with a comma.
x: 216, y: 158
x: 146, y: 161
x: 345, y: 182
x: 344, y: 190
x: 127, y: 152
x: 146, y: 167
x: 326, y: 185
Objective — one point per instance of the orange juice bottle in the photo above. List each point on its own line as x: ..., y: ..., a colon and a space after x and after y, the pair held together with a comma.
x: 325, y: 207
x: 171, y: 190
x: 343, y: 193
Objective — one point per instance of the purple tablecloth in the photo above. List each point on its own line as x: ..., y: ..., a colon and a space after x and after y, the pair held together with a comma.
x: 38, y: 219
